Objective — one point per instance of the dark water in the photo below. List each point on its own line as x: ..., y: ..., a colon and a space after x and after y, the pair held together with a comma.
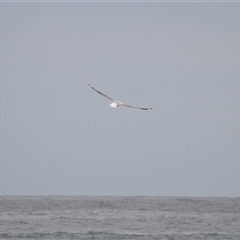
x: 119, y: 218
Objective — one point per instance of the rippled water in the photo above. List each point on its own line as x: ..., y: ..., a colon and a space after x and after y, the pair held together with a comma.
x: 119, y: 218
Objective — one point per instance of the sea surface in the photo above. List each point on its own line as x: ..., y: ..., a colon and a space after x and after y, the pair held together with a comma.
x: 63, y: 217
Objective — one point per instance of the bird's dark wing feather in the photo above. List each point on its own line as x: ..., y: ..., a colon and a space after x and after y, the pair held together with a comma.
x: 131, y: 106
x: 104, y: 95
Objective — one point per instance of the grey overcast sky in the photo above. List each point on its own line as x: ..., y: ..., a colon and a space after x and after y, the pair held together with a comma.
x: 59, y: 137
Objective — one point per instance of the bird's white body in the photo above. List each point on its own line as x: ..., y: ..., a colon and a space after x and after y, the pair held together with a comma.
x: 114, y: 105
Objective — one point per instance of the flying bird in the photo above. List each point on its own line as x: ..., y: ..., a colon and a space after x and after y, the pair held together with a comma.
x: 116, y: 103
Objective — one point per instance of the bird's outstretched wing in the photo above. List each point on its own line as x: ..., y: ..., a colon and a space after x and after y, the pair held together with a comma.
x: 104, y: 95
x: 131, y: 106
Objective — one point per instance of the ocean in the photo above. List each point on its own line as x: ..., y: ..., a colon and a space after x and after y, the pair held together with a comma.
x: 107, y: 217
